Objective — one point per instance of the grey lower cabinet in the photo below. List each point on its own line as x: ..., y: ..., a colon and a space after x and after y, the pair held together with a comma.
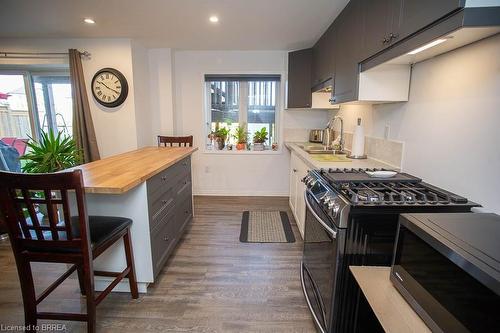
x: 170, y: 209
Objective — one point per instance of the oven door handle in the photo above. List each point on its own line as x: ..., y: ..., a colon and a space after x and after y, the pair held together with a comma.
x: 309, y: 305
x: 332, y: 232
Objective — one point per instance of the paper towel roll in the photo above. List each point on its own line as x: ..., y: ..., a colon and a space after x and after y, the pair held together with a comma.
x: 358, y: 140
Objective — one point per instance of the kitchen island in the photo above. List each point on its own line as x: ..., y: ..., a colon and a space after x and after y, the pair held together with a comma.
x: 152, y: 186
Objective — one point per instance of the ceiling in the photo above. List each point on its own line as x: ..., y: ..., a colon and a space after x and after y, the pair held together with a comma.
x: 181, y: 24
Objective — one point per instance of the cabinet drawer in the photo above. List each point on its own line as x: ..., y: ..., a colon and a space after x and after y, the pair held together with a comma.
x: 169, y: 176
x: 162, y: 200
x: 184, y: 213
x: 163, y: 240
x: 184, y: 185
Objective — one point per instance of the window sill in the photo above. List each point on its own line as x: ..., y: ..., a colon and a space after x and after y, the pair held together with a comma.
x: 243, y: 152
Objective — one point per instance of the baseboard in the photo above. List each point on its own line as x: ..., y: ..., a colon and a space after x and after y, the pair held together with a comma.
x: 225, y: 193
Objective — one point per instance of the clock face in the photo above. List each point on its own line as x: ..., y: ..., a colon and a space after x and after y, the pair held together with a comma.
x: 109, y: 87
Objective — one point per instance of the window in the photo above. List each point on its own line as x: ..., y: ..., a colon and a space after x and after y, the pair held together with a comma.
x: 250, y: 101
x: 15, y: 117
x: 31, y: 102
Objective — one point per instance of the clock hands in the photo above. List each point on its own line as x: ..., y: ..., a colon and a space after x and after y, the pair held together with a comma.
x: 108, y: 87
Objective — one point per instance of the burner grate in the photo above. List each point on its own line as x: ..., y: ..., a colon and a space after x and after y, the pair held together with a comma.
x: 356, y: 186
x: 397, y: 193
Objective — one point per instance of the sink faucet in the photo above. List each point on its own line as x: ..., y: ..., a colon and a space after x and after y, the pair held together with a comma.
x: 330, y: 125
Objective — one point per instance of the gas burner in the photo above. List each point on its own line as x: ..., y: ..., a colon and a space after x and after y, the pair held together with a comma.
x: 366, y: 196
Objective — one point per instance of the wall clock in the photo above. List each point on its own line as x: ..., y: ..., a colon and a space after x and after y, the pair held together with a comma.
x: 109, y: 87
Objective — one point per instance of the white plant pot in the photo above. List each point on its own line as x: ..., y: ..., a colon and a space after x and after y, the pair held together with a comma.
x: 258, y: 146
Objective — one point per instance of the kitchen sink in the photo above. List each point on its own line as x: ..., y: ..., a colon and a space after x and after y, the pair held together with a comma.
x: 317, y: 149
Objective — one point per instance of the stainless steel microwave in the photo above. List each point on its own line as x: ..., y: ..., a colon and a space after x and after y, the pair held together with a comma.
x: 447, y: 267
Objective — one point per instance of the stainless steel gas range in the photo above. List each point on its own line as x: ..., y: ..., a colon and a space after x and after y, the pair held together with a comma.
x: 351, y: 219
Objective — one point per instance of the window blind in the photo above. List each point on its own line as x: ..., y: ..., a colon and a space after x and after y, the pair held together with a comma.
x: 242, y: 77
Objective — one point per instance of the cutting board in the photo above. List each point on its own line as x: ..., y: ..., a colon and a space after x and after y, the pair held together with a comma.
x: 330, y: 158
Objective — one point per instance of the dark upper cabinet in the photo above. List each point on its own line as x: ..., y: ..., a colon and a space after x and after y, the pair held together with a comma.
x: 299, y: 79
x: 414, y: 15
x: 323, y: 57
x: 377, y: 22
x: 366, y: 28
x: 348, y: 53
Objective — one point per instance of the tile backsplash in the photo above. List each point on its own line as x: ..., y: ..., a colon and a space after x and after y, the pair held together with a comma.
x: 387, y: 151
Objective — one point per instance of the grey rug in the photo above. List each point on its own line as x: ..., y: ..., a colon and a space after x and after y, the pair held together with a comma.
x: 266, y: 227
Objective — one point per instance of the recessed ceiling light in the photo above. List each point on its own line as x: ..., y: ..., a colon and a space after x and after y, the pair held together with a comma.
x: 428, y: 46
x: 89, y: 21
x: 214, y: 19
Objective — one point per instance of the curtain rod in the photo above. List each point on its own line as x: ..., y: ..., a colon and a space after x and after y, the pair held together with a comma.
x: 39, y: 55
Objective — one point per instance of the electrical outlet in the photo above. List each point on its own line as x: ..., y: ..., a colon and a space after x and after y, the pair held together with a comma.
x: 387, y: 131
x: 207, y: 169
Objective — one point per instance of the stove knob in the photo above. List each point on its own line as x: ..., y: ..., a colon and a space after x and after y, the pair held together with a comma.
x: 335, y: 208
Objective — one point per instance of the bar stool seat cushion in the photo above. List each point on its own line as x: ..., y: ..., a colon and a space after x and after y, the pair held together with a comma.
x: 102, y: 229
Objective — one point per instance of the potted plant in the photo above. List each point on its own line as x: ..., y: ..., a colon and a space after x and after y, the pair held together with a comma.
x: 241, y: 136
x: 219, y: 135
x: 50, y: 154
x: 259, y: 138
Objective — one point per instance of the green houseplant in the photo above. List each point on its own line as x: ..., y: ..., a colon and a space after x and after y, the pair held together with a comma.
x: 259, y: 138
x: 51, y: 153
x: 241, y: 136
x: 219, y: 135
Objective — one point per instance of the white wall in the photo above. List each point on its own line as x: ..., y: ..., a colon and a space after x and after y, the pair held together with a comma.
x: 115, y: 128
x: 450, y: 126
x: 161, y: 78
x: 222, y: 174
x: 144, y: 117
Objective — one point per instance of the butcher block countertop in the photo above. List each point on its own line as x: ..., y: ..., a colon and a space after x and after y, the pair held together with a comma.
x: 120, y: 173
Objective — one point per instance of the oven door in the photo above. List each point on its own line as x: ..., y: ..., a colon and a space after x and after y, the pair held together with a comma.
x: 323, y: 243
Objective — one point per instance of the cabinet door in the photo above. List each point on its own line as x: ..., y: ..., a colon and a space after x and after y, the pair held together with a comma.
x: 415, y: 15
x: 323, y: 56
x: 299, y: 79
x: 348, y: 55
x: 301, y: 204
x: 377, y: 23
x: 293, y: 183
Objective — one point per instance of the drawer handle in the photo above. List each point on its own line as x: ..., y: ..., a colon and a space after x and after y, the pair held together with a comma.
x: 166, y: 238
x: 185, y: 182
x: 187, y: 211
x: 163, y: 178
x: 164, y: 201
x: 184, y: 163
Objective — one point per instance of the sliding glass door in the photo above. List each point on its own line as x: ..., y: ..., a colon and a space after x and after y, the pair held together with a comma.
x: 53, y: 103
x: 16, y: 117
x: 31, y: 102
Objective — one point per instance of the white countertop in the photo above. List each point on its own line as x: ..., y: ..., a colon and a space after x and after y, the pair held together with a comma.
x: 312, y: 163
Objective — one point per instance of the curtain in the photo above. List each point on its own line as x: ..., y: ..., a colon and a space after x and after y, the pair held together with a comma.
x: 83, y: 127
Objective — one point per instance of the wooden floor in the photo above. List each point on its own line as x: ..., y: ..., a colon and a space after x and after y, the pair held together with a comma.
x: 212, y: 283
